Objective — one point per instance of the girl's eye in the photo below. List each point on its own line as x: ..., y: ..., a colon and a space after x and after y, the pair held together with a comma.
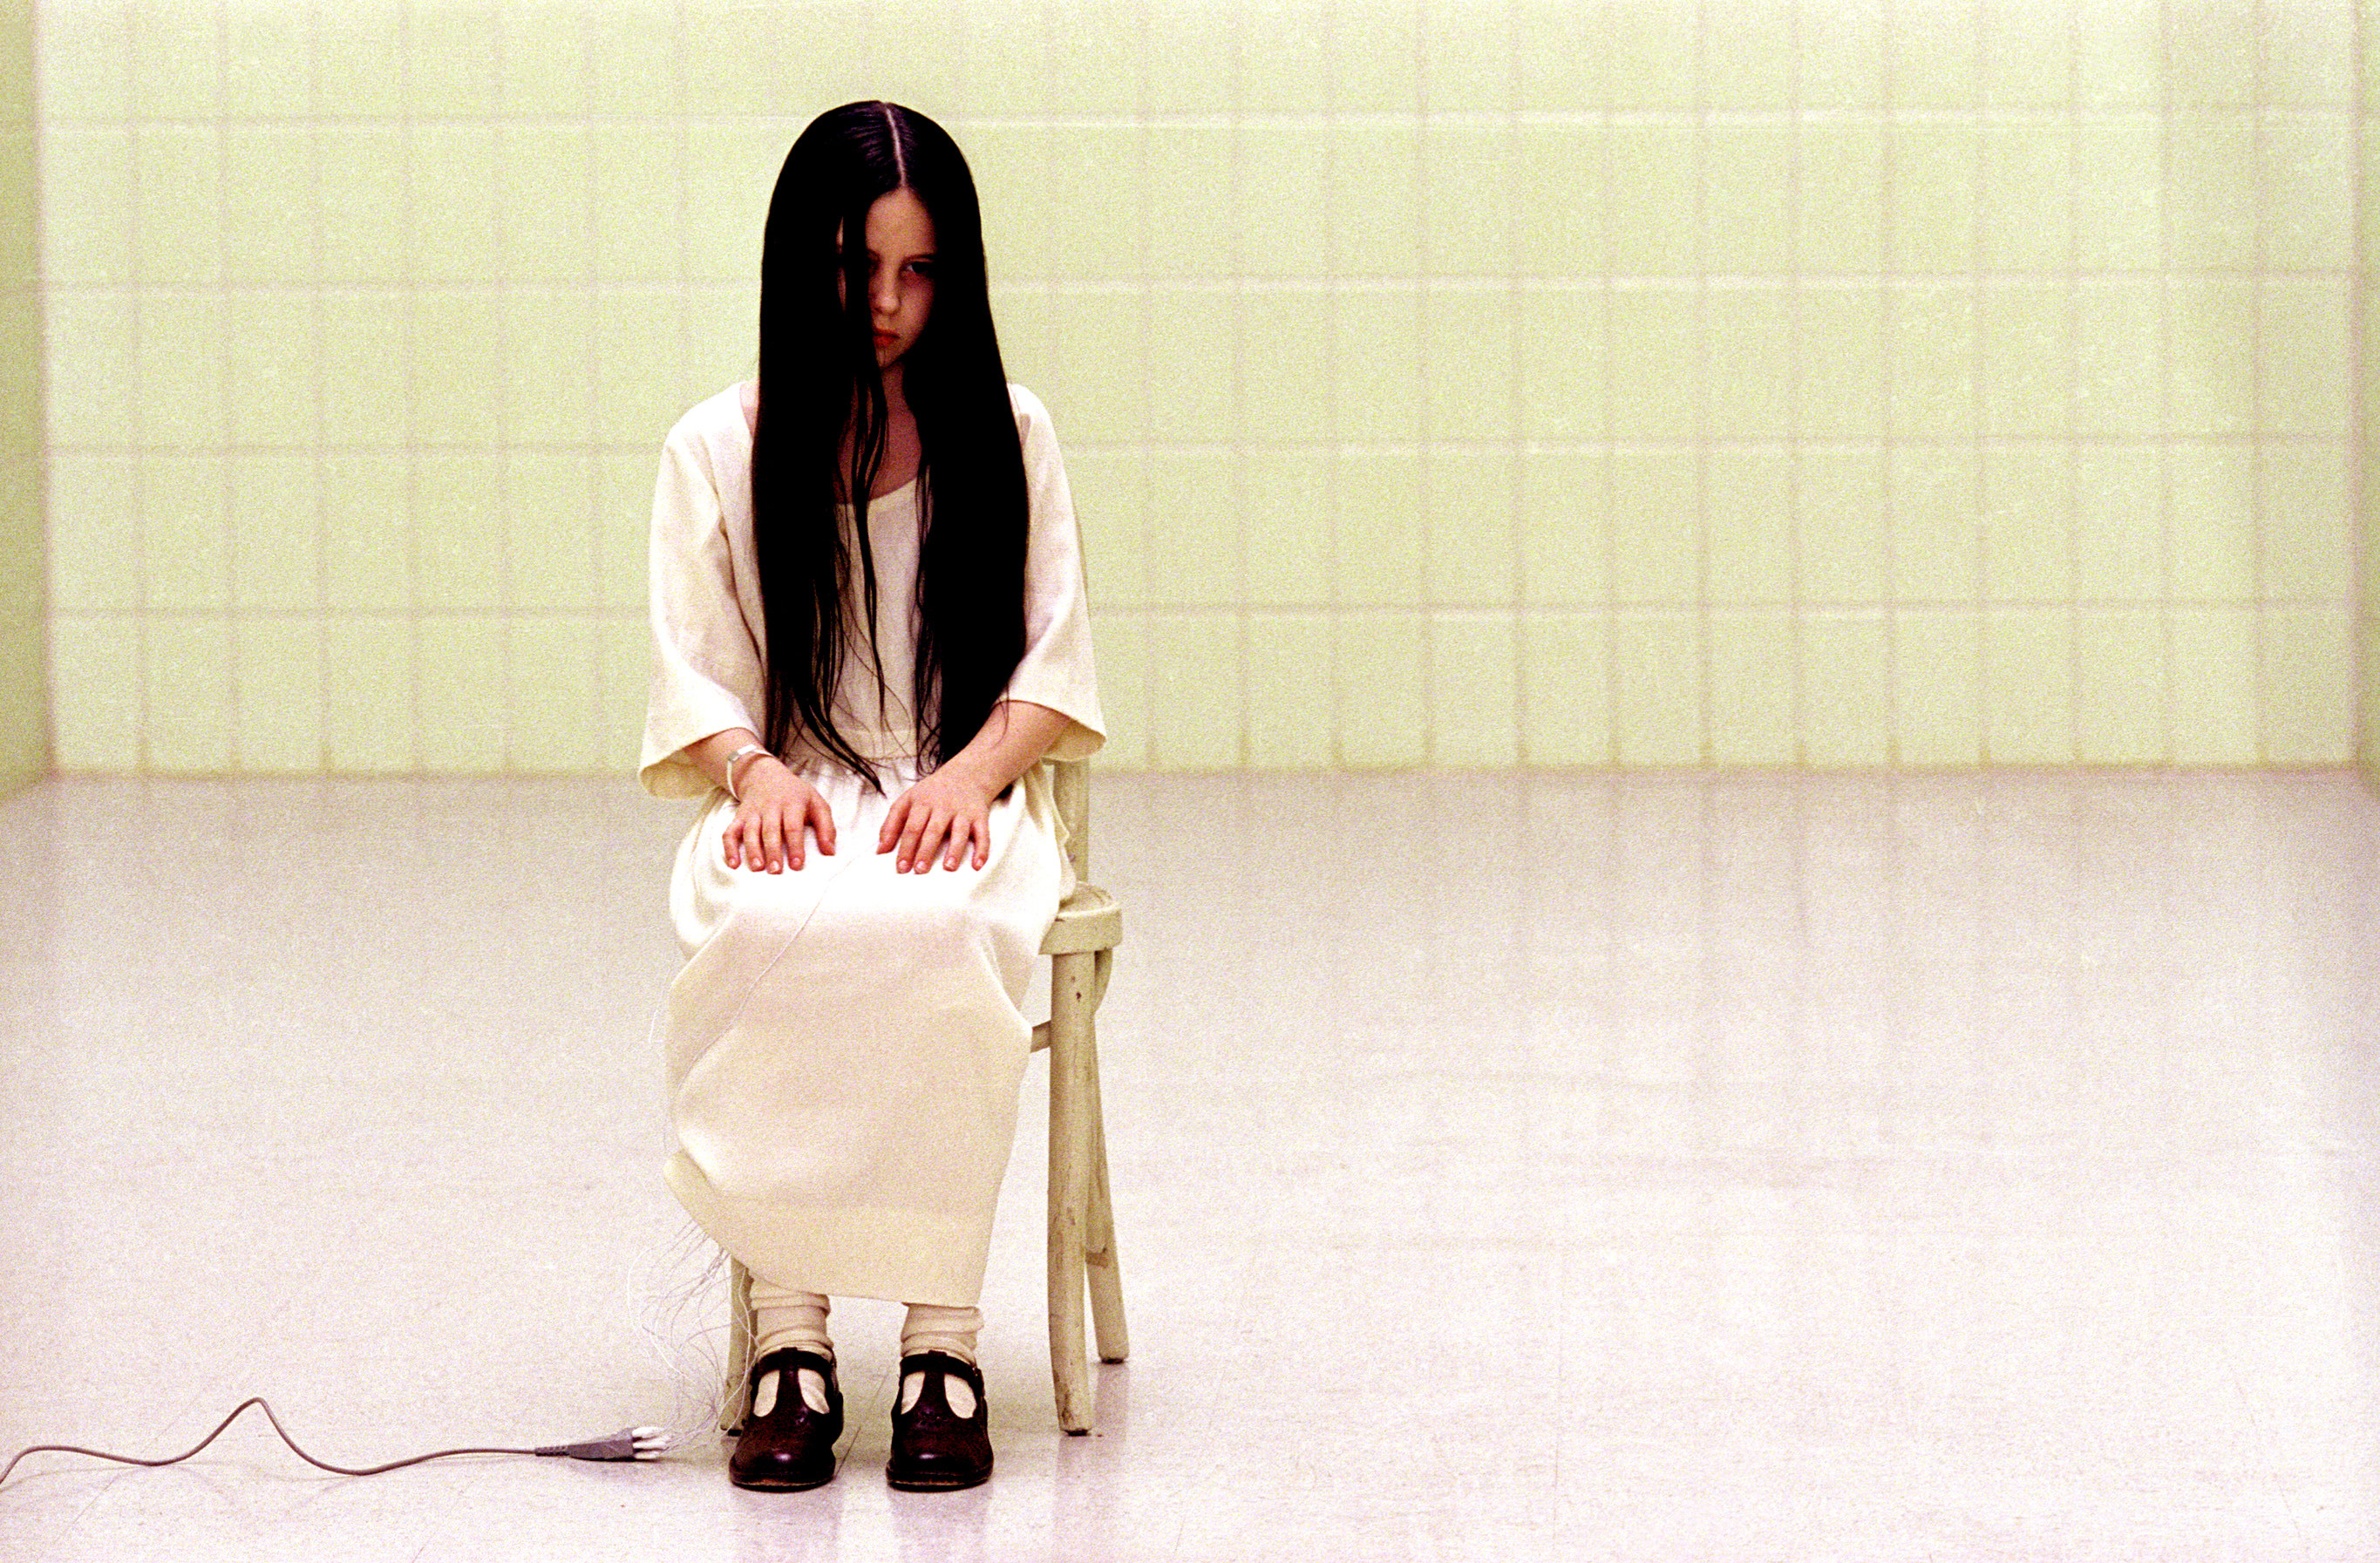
x: 922, y: 268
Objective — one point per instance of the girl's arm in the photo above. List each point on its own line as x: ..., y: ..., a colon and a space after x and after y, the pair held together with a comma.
x: 944, y: 811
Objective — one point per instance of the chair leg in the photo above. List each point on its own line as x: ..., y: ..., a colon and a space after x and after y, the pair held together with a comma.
x: 1099, y: 1245
x: 740, y: 1329
x: 1070, y: 1167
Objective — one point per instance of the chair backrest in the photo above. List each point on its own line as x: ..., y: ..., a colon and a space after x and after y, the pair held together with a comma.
x: 1070, y: 782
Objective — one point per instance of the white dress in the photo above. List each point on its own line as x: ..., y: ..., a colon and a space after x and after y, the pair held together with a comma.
x: 844, y: 1043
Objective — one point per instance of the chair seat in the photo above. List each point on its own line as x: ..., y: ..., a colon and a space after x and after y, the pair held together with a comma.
x: 1089, y: 921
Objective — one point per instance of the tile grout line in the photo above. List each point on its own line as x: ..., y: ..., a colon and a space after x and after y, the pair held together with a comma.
x: 508, y: 569
x: 1425, y: 247
x: 1516, y: 465
x: 1988, y: 611
x: 1144, y: 345
x: 1608, y: 625
x: 2069, y: 462
x: 1366, y: 282
x: 1238, y: 621
x: 1888, y: 363
x: 318, y: 342
x: 1706, y: 699
x: 235, y: 705
x: 2259, y: 91
x: 2166, y: 337
x: 1334, y: 696
x: 598, y: 487
x: 145, y: 649
x: 1798, y: 417
x: 416, y: 576
x: 2363, y: 612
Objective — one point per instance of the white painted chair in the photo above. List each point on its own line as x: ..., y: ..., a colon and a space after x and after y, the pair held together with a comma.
x: 1081, y: 947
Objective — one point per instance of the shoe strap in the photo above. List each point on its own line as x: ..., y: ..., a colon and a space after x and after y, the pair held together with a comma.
x: 943, y: 1362
x: 792, y: 1359
x: 934, y: 1366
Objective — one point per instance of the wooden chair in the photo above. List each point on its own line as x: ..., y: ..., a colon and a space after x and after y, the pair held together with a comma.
x: 1081, y: 947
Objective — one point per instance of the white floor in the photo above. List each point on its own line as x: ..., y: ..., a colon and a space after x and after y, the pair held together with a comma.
x: 1576, y: 1167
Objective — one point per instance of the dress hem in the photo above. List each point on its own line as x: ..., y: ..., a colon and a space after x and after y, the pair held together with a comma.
x: 839, y: 1253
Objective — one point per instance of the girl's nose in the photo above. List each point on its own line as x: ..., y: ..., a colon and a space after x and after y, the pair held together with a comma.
x: 885, y: 294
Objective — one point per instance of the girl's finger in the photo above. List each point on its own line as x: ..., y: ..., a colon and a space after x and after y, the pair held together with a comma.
x: 895, y: 818
x: 913, y: 836
x: 792, y: 827
x: 983, y: 841
x: 772, y: 837
x: 947, y: 833
x: 822, y: 819
x: 963, y: 830
x: 728, y: 848
x: 930, y: 851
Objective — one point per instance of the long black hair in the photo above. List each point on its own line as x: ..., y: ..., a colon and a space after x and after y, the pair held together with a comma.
x: 818, y: 379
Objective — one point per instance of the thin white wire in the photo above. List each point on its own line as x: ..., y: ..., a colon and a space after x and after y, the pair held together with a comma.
x: 688, y: 1277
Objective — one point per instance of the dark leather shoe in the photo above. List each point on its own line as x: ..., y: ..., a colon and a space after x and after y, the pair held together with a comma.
x: 786, y: 1446
x: 933, y: 1450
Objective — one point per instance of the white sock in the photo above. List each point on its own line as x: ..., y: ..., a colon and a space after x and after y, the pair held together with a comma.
x: 932, y: 1328
x: 783, y: 1318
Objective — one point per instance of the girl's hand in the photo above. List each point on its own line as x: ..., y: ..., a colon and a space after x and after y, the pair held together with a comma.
x: 777, y: 809
x: 938, y: 818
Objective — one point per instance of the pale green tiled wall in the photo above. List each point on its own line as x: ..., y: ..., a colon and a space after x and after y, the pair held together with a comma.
x: 1465, y: 382
x: 24, y: 698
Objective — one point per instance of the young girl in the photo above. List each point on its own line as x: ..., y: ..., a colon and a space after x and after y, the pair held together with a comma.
x: 867, y: 606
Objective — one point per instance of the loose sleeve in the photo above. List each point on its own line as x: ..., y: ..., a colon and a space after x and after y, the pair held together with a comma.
x: 705, y: 663
x: 1056, y: 668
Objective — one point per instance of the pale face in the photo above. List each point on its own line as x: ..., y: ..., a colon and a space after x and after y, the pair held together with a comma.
x: 900, y: 272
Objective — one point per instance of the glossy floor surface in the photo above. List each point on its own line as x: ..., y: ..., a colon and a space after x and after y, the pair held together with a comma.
x: 1577, y: 1168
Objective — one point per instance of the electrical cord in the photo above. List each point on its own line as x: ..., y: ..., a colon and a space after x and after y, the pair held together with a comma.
x: 629, y: 1443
